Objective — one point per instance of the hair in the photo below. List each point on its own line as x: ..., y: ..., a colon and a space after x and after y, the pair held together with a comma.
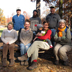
x: 27, y: 20
x: 36, y: 14
x: 10, y: 23
x: 62, y: 20
x: 45, y: 22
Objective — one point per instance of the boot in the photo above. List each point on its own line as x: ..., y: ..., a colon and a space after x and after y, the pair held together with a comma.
x: 26, y: 63
x: 66, y: 63
x: 22, y: 63
x: 4, y: 62
x: 11, y: 62
x: 22, y: 58
x: 33, y: 66
x: 56, y: 62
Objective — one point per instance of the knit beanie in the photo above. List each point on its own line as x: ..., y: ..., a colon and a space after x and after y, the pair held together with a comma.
x: 38, y: 25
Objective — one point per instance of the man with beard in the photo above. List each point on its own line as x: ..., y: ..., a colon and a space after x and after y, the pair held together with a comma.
x: 35, y: 20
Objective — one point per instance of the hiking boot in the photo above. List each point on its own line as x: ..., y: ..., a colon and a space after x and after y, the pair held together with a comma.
x: 4, y: 62
x: 22, y: 63
x: 22, y: 58
x: 66, y: 63
x: 26, y: 63
x: 11, y: 62
x: 33, y: 66
x: 56, y: 62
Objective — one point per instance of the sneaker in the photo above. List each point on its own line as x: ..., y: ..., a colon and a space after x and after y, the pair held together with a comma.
x: 22, y: 58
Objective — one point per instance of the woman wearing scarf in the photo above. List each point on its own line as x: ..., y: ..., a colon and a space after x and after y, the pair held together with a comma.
x: 9, y: 36
x: 63, y: 42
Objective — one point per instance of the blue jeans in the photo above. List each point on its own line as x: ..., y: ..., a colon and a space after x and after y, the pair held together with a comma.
x: 53, y: 34
x: 24, y: 48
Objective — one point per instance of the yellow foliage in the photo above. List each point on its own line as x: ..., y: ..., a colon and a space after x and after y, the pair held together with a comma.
x: 2, y: 18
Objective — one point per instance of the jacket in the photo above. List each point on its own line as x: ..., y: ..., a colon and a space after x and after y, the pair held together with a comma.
x: 18, y: 22
x: 65, y: 39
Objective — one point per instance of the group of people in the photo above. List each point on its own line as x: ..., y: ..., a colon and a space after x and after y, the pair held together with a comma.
x: 35, y: 35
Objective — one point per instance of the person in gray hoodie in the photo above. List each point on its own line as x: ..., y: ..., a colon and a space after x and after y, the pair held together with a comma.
x: 63, y: 42
x: 34, y: 20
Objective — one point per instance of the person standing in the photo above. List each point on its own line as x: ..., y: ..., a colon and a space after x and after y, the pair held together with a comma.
x: 18, y: 20
x: 34, y: 20
x: 53, y: 19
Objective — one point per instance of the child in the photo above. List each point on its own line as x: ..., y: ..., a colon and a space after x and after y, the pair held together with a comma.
x: 40, y: 30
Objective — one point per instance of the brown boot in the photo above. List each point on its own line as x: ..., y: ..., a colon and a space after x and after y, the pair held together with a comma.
x: 11, y: 62
x: 26, y: 63
x: 33, y: 66
x: 22, y: 58
x: 4, y: 62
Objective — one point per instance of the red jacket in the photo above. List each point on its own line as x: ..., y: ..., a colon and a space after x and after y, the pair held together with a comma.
x: 46, y: 36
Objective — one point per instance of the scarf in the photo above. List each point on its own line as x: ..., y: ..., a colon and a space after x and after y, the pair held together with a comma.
x: 60, y: 31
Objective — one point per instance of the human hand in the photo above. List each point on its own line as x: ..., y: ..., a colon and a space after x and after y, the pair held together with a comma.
x: 39, y: 34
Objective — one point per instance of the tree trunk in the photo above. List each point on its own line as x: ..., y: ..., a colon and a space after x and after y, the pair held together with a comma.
x: 38, y: 6
x: 60, y: 7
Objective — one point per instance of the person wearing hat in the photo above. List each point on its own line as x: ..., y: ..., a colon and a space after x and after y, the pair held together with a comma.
x: 34, y: 20
x: 18, y: 20
x: 53, y: 19
x: 63, y: 43
x: 8, y: 37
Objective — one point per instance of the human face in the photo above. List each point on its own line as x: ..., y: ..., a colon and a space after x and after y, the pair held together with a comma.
x: 27, y: 25
x: 45, y: 26
x: 40, y: 28
x: 18, y: 12
x: 61, y: 24
x: 52, y: 10
x: 35, y: 13
x: 10, y: 27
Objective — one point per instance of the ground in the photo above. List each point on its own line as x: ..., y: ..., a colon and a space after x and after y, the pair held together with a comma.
x: 45, y: 63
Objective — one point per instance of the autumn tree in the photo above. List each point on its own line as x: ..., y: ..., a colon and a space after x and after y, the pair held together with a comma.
x: 2, y: 18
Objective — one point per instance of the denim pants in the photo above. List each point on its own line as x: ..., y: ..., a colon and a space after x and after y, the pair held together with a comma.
x: 53, y: 34
x: 24, y: 48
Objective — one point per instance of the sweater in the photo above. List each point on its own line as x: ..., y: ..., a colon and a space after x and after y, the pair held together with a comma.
x: 34, y: 21
x: 10, y: 37
x: 26, y: 36
x: 18, y: 22
x: 46, y: 36
x: 65, y: 39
